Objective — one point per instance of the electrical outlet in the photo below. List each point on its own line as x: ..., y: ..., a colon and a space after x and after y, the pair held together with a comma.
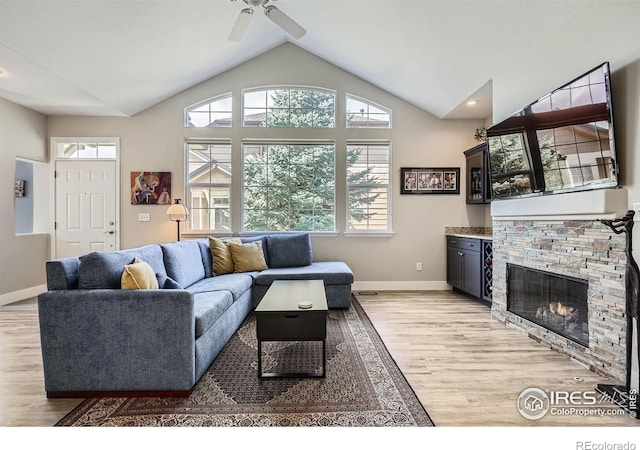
x: 144, y: 217
x: 418, y: 266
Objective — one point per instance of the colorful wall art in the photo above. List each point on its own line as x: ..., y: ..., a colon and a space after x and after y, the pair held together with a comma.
x: 150, y: 188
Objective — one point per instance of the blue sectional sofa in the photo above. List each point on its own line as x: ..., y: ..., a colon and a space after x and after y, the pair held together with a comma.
x: 100, y: 339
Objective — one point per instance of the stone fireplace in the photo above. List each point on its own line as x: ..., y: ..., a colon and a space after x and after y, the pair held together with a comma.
x: 533, y: 248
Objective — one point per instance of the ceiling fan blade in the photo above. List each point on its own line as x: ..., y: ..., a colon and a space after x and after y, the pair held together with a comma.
x: 285, y: 22
x: 241, y: 25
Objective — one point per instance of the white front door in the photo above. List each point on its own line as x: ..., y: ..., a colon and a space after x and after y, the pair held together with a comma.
x: 86, y: 205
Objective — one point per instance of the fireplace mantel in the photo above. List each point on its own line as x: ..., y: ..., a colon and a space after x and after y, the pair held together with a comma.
x: 585, y: 205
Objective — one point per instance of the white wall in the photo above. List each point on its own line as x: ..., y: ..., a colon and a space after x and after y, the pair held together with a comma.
x: 153, y: 140
x: 23, y: 133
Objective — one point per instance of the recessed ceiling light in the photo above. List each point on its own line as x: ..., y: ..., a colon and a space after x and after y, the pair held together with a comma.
x: 472, y: 102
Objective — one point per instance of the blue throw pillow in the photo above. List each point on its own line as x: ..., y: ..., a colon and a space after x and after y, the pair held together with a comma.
x: 289, y: 250
x: 170, y: 283
x: 103, y: 270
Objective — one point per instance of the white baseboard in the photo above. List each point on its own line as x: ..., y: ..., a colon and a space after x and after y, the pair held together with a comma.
x: 16, y: 296
x: 400, y: 286
x: 23, y: 294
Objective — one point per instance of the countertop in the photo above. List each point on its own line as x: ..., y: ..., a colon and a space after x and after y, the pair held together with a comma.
x: 485, y: 233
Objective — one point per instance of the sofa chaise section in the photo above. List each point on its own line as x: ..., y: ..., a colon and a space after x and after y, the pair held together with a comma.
x: 337, y: 277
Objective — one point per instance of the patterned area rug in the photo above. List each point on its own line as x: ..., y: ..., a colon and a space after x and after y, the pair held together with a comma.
x: 363, y: 386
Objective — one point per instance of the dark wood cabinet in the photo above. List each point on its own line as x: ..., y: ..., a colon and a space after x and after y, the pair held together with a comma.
x: 464, y: 265
x: 477, y: 174
x: 470, y: 266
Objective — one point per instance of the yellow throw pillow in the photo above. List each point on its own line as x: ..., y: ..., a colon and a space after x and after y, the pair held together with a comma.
x: 139, y: 275
x: 248, y: 257
x: 221, y: 255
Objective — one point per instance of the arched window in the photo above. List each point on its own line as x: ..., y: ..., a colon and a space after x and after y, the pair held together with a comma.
x: 215, y: 112
x: 289, y: 107
x: 362, y: 113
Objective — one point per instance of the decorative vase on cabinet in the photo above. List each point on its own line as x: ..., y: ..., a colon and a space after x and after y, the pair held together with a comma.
x: 478, y: 187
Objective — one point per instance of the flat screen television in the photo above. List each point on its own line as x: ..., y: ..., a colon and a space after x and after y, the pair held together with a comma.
x: 563, y: 142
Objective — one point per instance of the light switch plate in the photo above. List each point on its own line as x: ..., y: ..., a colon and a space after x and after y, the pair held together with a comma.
x: 144, y: 217
x: 636, y: 208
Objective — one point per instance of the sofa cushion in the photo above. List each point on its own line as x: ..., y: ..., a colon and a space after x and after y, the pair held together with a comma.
x: 205, y: 252
x: 248, y: 257
x: 183, y: 262
x: 236, y: 283
x: 221, y: 255
x: 289, y: 250
x: 103, y: 270
x: 139, y: 275
x: 208, y: 307
x: 331, y: 272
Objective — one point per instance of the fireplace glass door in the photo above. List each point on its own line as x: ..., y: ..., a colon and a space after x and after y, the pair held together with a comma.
x: 556, y: 302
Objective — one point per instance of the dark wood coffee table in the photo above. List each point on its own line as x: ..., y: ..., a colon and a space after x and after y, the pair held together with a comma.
x: 278, y: 318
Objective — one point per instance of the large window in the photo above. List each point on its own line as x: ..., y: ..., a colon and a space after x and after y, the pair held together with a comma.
x: 289, y: 181
x: 215, y: 112
x: 288, y: 186
x: 368, y: 186
x: 209, y: 185
x: 288, y: 107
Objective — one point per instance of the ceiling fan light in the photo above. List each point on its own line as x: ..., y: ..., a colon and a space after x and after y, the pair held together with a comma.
x: 241, y: 25
x: 284, y: 22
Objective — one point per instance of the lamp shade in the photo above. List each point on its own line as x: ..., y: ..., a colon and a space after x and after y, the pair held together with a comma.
x: 177, y: 211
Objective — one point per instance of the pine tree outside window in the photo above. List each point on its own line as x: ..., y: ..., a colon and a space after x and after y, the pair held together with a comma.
x: 289, y: 107
x: 289, y: 186
x: 288, y: 181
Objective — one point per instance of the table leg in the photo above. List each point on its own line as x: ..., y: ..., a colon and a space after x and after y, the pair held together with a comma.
x: 259, y: 358
x: 324, y: 358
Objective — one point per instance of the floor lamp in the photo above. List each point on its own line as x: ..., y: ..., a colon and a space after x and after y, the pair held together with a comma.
x: 178, y: 213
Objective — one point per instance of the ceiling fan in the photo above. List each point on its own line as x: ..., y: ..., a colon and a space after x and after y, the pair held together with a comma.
x: 277, y: 16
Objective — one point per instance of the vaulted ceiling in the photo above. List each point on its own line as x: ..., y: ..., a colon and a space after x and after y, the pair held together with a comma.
x: 108, y: 57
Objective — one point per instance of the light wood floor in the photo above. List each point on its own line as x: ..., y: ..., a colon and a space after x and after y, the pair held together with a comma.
x: 466, y: 368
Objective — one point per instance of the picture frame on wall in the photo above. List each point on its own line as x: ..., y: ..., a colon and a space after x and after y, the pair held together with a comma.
x: 150, y: 188
x: 430, y: 180
x: 19, y: 189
